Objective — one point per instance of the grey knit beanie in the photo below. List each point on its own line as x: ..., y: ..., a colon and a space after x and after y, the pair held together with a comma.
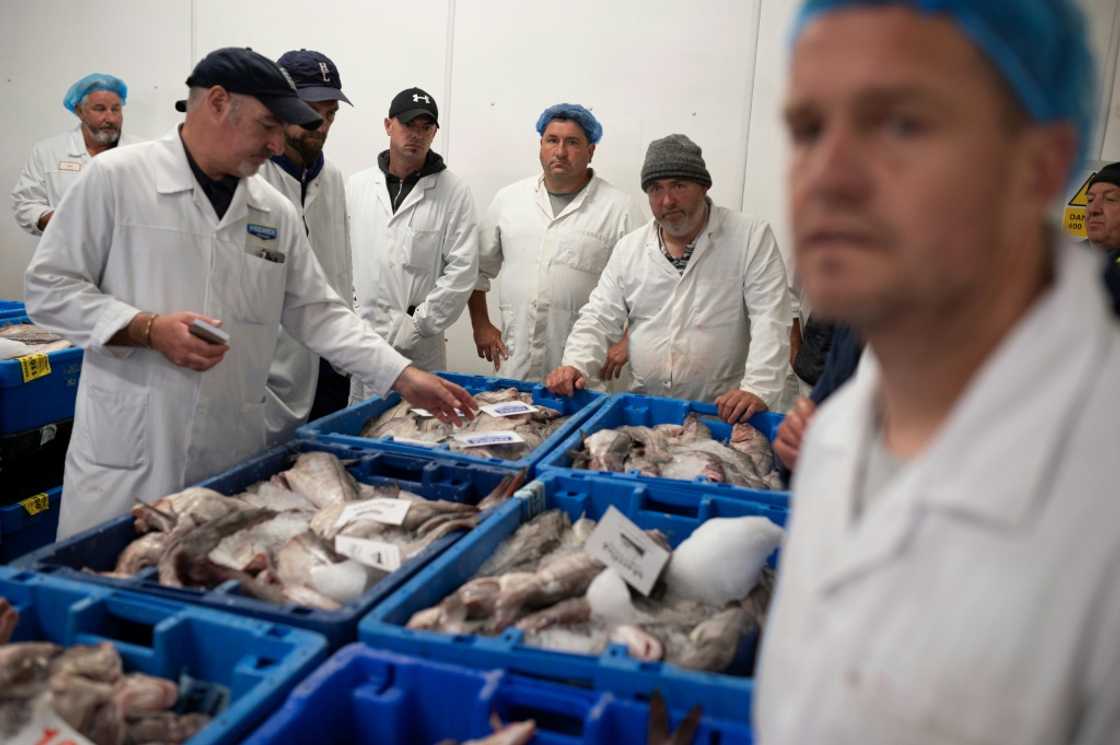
x: 674, y: 156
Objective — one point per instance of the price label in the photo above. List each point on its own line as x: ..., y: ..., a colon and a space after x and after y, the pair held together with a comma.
x: 34, y: 366
x: 378, y: 509
x: 623, y: 546
x: 36, y: 504
x: 508, y: 408
x: 376, y: 554
x: 484, y: 439
x: 413, y: 441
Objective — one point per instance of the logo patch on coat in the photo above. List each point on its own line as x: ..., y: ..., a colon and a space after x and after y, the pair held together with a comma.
x: 264, y: 232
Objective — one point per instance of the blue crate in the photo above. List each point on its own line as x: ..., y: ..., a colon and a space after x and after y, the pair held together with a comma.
x: 631, y: 409
x: 344, y: 426
x: 10, y: 308
x: 40, y: 401
x: 676, y: 510
x: 259, y: 663
x: 371, y: 696
x: 433, y: 478
x: 29, y: 524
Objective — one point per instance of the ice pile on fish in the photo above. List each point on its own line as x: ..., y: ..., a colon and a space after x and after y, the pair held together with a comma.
x: 683, y: 451
x: 19, y: 339
x: 290, y: 539
x: 87, y: 688
x: 403, y: 422
x: 714, y: 591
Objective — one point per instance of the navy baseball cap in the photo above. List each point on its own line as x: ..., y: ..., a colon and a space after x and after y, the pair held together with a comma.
x: 241, y: 70
x: 315, y: 75
x: 411, y: 103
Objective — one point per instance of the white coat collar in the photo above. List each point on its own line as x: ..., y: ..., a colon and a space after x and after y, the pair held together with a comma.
x: 76, y: 144
x: 545, y: 204
x: 994, y: 458
x: 711, y: 233
x: 419, y: 192
x: 175, y: 175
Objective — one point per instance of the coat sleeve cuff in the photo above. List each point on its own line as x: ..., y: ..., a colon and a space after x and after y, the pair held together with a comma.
x: 113, y: 318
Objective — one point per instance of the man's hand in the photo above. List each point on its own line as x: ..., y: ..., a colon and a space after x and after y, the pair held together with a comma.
x: 739, y: 405
x: 441, y: 397
x: 565, y: 381
x: 171, y: 336
x: 488, y: 341
x: 794, y: 340
x: 44, y: 219
x: 617, y: 356
x: 787, y: 444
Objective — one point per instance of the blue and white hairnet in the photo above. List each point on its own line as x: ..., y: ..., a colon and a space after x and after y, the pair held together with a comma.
x: 97, y: 81
x: 1040, y: 48
x: 581, y: 116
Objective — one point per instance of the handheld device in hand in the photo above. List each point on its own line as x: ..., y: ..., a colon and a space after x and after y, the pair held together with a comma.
x: 206, y: 332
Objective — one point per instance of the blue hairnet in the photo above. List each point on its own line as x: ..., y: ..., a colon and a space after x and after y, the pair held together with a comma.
x: 581, y: 116
x: 96, y: 81
x: 1038, y: 46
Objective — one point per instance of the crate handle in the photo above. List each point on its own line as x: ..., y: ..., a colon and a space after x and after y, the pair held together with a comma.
x: 559, y: 712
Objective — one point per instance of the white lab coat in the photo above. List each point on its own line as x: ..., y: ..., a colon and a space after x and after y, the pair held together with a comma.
x: 546, y: 266
x: 53, y: 167
x: 978, y: 598
x: 295, y: 368
x: 425, y: 254
x: 137, y: 233
x: 723, y: 324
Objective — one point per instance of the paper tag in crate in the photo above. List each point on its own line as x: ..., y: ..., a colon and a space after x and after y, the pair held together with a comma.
x: 508, y: 408
x: 623, y: 546
x: 424, y: 413
x: 485, y: 439
x: 379, y: 509
x: 376, y: 554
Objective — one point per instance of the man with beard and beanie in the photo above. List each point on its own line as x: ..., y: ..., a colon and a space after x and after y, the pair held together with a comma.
x: 56, y: 162
x: 414, y: 236
x: 1103, y: 224
x: 546, y: 240
x: 702, y: 290
x: 302, y: 385
x: 157, y: 246
x: 949, y: 571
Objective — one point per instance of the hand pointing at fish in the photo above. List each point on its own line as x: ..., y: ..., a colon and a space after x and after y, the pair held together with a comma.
x: 442, y: 398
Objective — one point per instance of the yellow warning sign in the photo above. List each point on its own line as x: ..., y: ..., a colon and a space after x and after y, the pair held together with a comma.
x: 1073, y: 218
x: 36, y: 504
x: 1081, y: 198
x: 34, y: 366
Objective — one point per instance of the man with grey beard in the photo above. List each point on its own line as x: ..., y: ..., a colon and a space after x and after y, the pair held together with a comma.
x: 56, y: 162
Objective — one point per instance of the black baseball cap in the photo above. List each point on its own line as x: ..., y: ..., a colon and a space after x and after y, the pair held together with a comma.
x: 241, y: 70
x: 411, y: 103
x: 315, y: 75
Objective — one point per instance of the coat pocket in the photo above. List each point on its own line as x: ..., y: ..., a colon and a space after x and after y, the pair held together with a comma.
x: 423, y: 252
x: 586, y: 252
x: 116, y: 423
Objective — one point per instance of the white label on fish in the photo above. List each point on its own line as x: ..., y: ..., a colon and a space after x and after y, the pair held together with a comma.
x: 45, y: 727
x: 508, y: 408
x: 378, y: 509
x: 376, y: 554
x: 411, y: 441
x: 483, y: 439
x: 622, y: 545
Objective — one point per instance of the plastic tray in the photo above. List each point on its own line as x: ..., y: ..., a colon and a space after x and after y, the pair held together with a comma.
x: 25, y: 405
x: 370, y: 696
x: 344, y: 426
x: 631, y: 409
x: 97, y: 549
x: 675, y: 510
x: 29, y: 524
x: 259, y: 663
x: 10, y: 308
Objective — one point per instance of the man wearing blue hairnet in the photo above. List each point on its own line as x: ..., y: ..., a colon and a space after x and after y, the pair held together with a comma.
x: 950, y: 573
x: 56, y: 162
x: 544, y: 242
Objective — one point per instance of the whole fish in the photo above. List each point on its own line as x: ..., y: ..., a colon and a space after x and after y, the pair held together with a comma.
x: 184, y: 510
x: 528, y: 544
x: 144, y: 552
x: 321, y: 477
x: 25, y: 668
x: 189, y: 550
x: 165, y: 727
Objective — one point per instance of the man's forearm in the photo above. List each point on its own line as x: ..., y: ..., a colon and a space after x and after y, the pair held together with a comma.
x: 476, y: 306
x: 137, y: 333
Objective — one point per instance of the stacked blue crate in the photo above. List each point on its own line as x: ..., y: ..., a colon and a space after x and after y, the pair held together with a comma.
x: 345, y: 427
x: 256, y: 663
x: 675, y: 508
x: 363, y: 696
x: 630, y: 409
x: 430, y: 477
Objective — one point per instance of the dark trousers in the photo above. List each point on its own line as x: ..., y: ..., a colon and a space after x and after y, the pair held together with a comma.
x: 331, y: 394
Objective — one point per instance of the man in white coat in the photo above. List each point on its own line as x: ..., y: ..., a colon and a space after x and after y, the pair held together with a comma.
x: 546, y: 240
x: 415, y: 238
x: 301, y: 385
x: 950, y: 572
x: 178, y: 223
x: 98, y: 101
x: 701, y: 288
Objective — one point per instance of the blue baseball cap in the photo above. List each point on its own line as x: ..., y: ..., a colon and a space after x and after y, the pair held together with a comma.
x: 315, y: 75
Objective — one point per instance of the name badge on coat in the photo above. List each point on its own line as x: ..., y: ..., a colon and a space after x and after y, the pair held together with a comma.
x: 69, y: 165
x: 258, y: 243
